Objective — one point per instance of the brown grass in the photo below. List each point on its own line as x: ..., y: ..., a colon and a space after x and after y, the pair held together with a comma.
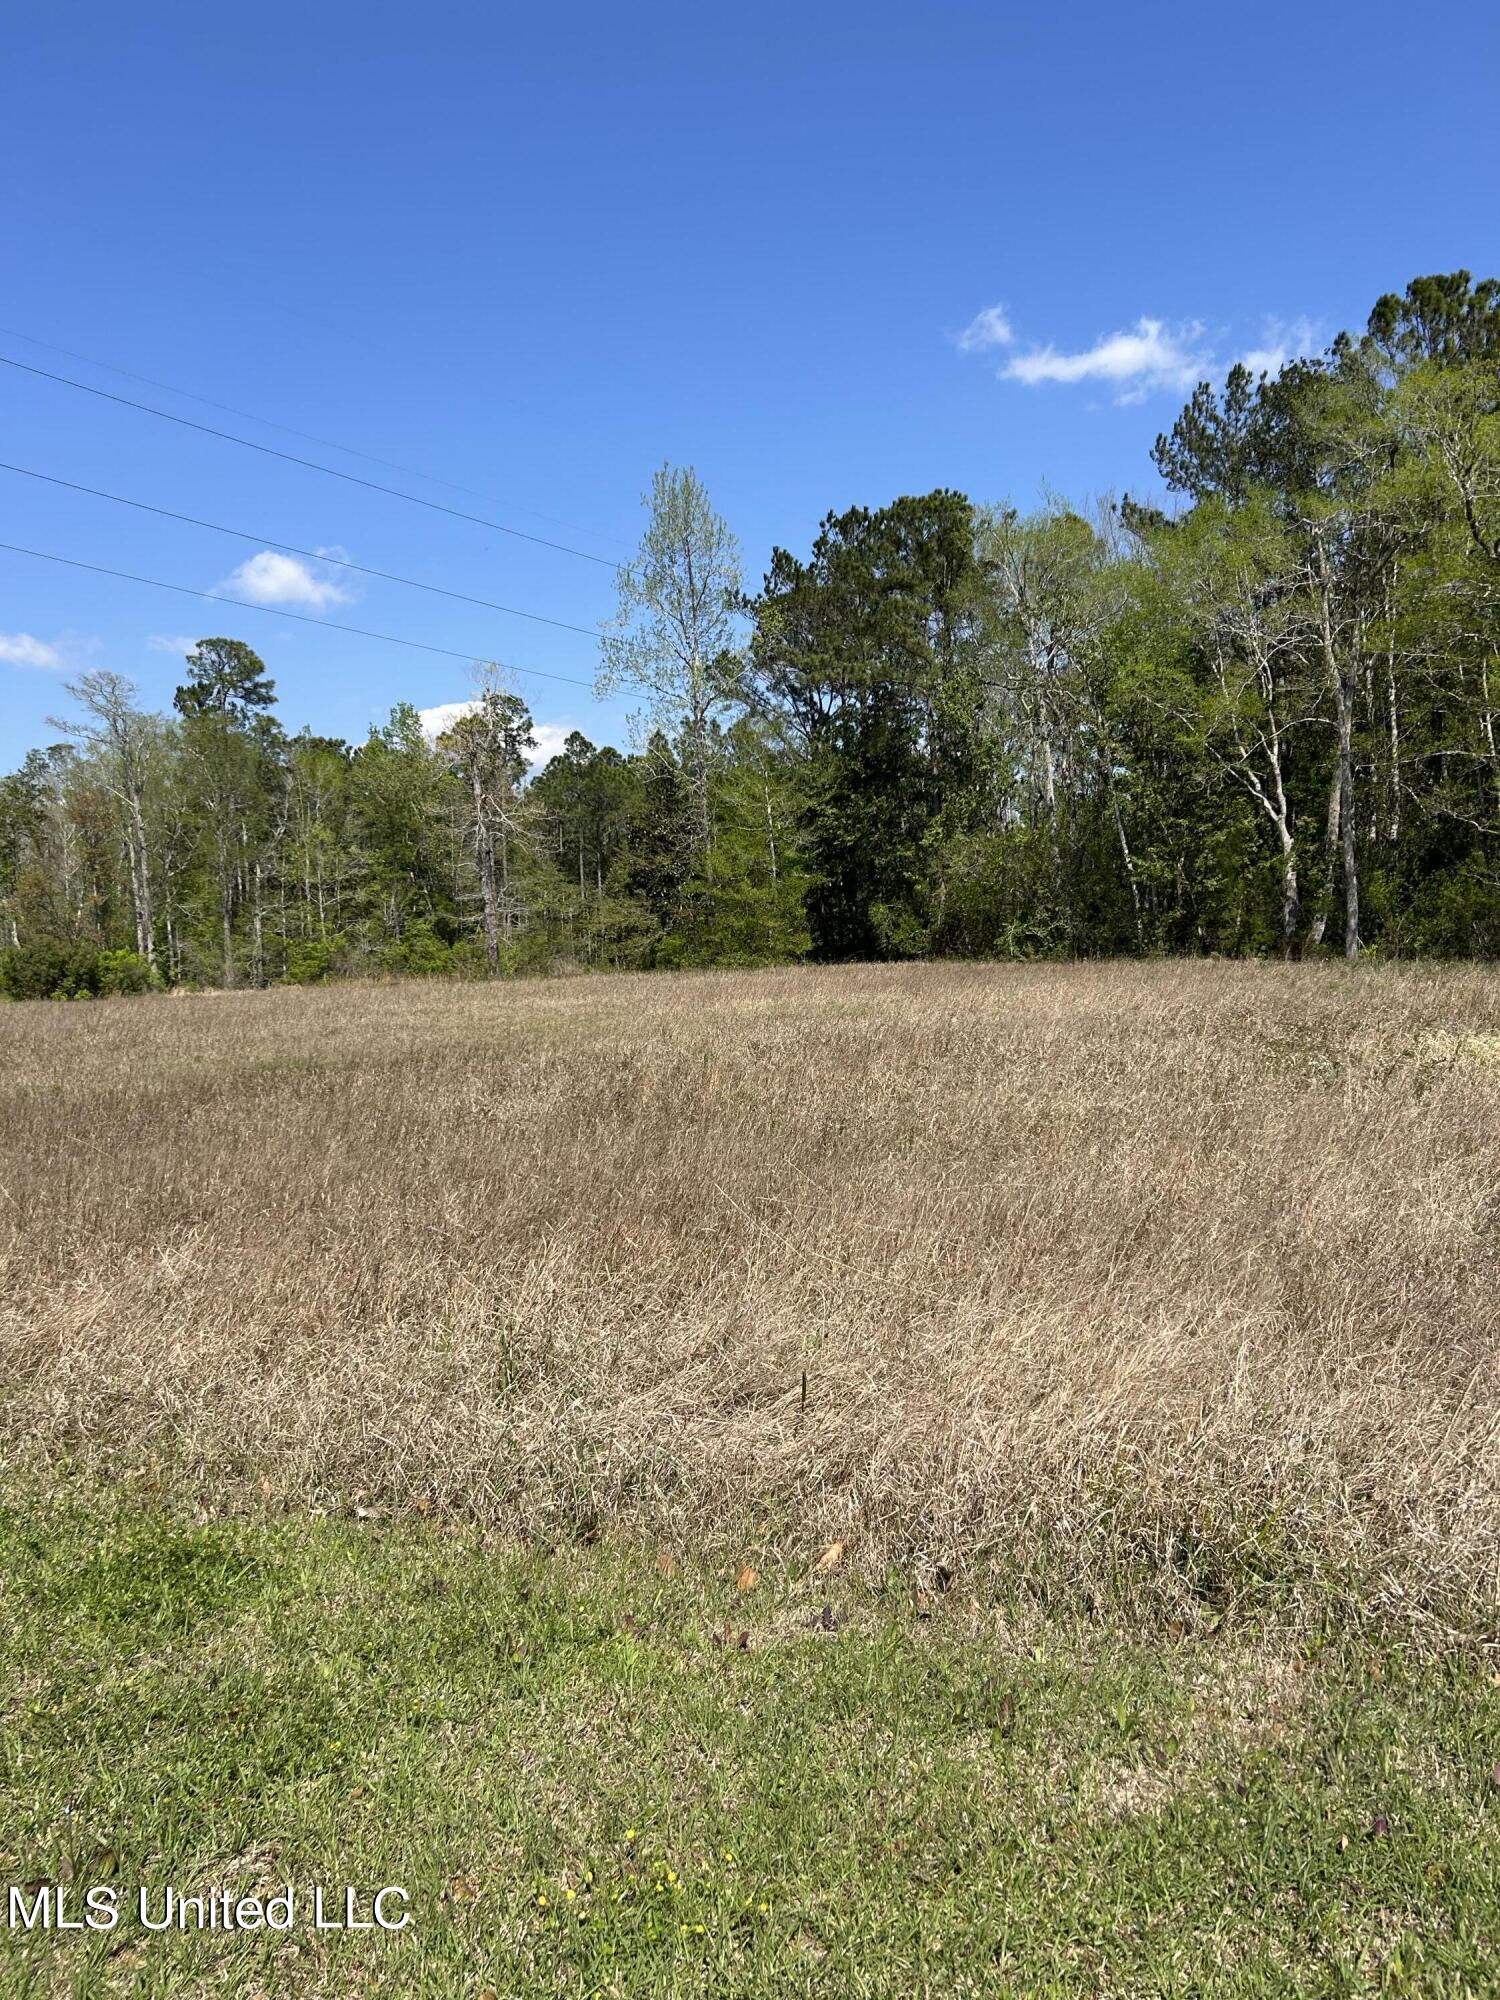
x: 1144, y: 1279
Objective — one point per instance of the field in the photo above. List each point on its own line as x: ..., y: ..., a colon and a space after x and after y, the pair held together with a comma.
x: 951, y: 1480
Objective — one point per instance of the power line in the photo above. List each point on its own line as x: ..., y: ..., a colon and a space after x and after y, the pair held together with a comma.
x: 310, y: 464
x: 289, y: 430
x: 271, y: 611
x: 312, y: 555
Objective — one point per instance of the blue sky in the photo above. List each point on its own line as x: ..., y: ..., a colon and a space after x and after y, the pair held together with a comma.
x: 826, y: 254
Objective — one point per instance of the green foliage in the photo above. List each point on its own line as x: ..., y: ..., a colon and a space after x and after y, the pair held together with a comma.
x: 126, y: 972
x: 674, y: 635
x: 309, y: 961
x: 56, y: 969
x: 744, y: 903
x: 658, y: 851
x: 1266, y: 723
x: 866, y: 650
x: 587, y: 799
x: 420, y: 952
x: 225, y: 677
x: 588, y: 1781
x: 49, y: 969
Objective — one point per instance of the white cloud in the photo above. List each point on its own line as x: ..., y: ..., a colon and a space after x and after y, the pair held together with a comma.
x: 1283, y: 341
x: 550, y: 736
x: 275, y: 579
x: 67, y: 651
x: 20, y: 649
x: 1150, y: 355
x: 175, y: 643
x: 990, y: 328
x: 435, y: 720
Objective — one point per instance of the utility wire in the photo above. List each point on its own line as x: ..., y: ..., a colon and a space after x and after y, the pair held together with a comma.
x: 312, y: 465
x: 312, y: 555
x: 271, y: 611
x: 289, y: 430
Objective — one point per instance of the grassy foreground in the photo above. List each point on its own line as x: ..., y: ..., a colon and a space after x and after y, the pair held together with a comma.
x: 401, y: 1387
x: 590, y: 1782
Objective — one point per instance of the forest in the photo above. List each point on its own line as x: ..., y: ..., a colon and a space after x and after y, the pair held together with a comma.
x: 1258, y: 719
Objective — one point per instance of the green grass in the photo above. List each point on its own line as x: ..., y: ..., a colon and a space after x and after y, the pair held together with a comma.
x: 587, y: 1791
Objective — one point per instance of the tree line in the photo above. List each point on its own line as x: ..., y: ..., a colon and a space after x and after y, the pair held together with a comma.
x: 1260, y: 720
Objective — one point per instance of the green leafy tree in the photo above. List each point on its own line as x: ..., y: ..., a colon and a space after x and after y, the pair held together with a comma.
x: 585, y: 798
x: 405, y: 852
x: 675, y: 629
x: 124, y: 744
x: 864, y: 655
x: 225, y: 678
x: 486, y: 749
x: 744, y: 902
x: 233, y: 754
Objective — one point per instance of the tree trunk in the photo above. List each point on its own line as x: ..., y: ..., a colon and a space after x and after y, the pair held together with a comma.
x: 1392, y: 716
x: 697, y: 762
x: 140, y: 884
x: 484, y: 846
x: 1291, y: 900
x: 1488, y: 723
x: 1341, y: 681
x: 257, y: 927
x: 1346, y: 823
x: 1129, y: 860
x: 1319, y: 925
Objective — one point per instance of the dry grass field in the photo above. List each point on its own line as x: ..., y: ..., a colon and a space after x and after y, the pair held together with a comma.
x: 1147, y: 1285
x: 427, y: 1411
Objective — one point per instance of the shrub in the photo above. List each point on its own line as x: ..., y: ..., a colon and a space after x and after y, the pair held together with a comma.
x: 55, y: 969
x: 466, y: 960
x: 125, y: 972
x: 419, y: 950
x: 310, y: 960
x: 49, y: 969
